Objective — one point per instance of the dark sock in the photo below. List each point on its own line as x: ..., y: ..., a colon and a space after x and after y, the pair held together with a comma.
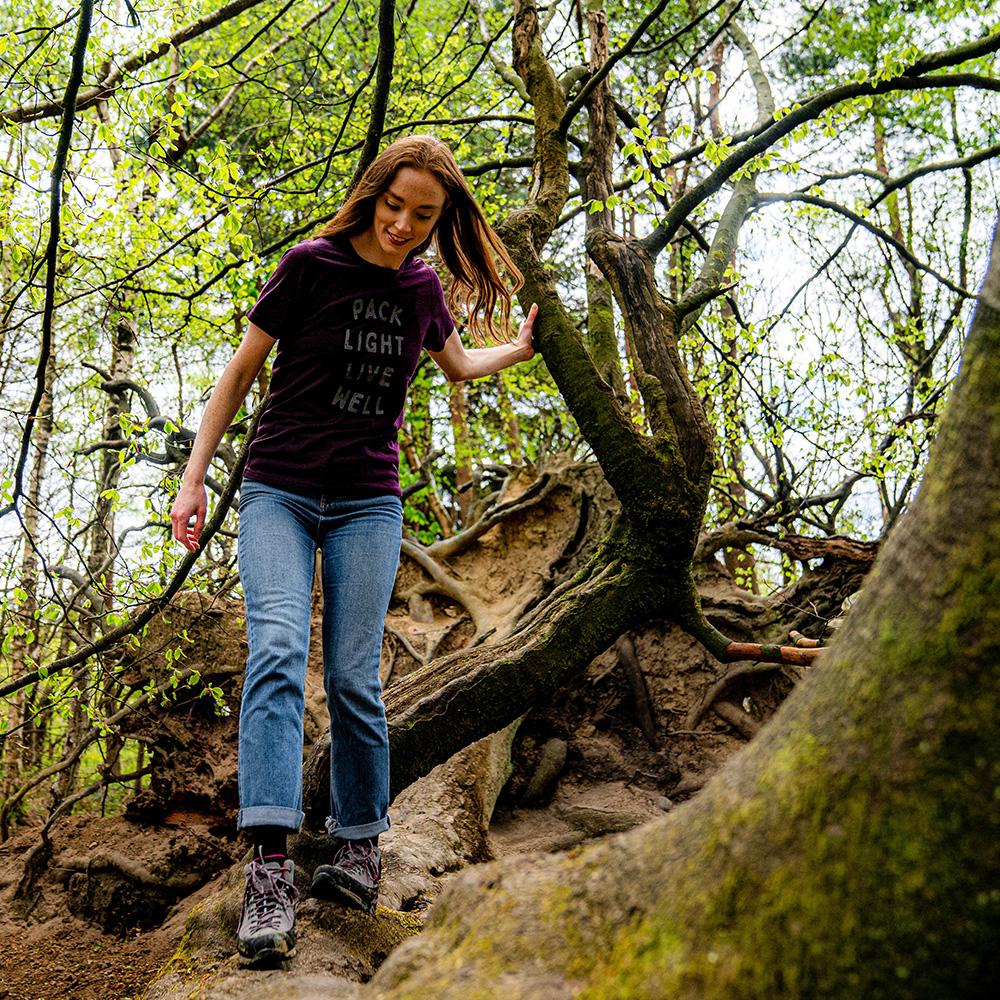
x: 269, y: 842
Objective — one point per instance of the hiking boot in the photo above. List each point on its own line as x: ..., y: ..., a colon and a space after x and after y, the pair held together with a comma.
x: 353, y: 878
x: 267, y: 922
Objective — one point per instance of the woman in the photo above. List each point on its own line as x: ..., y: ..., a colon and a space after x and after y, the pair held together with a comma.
x: 350, y: 310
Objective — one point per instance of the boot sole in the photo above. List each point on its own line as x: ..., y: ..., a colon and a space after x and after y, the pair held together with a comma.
x: 270, y: 954
x: 331, y: 886
x: 266, y: 957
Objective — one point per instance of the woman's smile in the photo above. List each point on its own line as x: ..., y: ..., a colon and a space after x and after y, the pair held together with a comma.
x: 405, y: 216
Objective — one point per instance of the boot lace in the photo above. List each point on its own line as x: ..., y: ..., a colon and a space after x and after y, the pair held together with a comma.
x: 358, y: 859
x: 268, y: 892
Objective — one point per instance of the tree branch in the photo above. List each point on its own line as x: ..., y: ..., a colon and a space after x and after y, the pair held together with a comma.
x: 765, y: 99
x: 383, y: 83
x: 581, y: 98
x: 90, y: 96
x: 859, y: 220
x: 184, y: 143
x: 913, y: 78
x: 68, y: 105
x: 133, y: 624
x: 506, y: 73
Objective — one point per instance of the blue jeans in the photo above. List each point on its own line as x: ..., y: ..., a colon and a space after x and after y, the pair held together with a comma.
x: 279, y: 533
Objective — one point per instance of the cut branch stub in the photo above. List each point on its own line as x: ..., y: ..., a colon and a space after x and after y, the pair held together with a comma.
x: 767, y: 652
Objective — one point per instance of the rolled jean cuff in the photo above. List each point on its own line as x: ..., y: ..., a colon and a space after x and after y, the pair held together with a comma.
x: 357, y: 832
x: 290, y: 819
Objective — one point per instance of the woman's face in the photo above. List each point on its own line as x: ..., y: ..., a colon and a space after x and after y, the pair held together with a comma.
x: 405, y: 216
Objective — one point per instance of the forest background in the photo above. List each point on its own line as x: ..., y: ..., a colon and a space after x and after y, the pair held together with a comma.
x: 756, y: 232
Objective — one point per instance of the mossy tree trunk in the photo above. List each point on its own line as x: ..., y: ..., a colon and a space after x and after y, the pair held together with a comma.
x: 852, y: 850
x: 660, y: 473
x: 643, y: 569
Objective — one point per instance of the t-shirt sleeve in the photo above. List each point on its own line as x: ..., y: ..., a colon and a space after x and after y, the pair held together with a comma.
x: 441, y: 323
x: 277, y: 310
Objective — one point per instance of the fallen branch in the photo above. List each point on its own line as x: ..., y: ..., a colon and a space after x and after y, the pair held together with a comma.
x: 768, y: 652
x: 708, y: 698
x: 741, y: 721
x: 803, y: 641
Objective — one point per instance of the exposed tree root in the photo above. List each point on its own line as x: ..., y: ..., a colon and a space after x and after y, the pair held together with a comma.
x: 708, y: 699
x: 741, y: 721
x: 625, y: 648
x: 114, y: 862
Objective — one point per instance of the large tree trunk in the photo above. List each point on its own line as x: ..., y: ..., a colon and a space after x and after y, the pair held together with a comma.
x: 852, y: 850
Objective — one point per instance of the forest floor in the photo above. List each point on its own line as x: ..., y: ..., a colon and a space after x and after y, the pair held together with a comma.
x: 85, y: 940
x: 101, y: 919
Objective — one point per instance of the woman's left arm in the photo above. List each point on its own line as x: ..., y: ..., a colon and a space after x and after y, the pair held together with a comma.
x: 460, y: 363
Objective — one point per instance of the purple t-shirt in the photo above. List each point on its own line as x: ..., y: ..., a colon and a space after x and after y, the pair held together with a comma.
x: 349, y: 338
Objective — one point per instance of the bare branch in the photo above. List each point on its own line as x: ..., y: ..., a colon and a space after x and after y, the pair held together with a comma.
x: 859, y: 220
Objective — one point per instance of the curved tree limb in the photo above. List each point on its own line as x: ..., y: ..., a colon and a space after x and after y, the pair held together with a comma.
x: 68, y: 106
x: 800, y: 547
x: 914, y: 77
x: 878, y: 231
x: 762, y: 86
x: 506, y: 73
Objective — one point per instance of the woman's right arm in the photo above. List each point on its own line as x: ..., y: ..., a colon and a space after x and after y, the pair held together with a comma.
x: 225, y: 400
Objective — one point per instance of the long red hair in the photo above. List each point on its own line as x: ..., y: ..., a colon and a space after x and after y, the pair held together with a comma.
x: 467, y: 244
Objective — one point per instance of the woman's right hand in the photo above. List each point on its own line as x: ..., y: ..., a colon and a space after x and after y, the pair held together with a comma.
x: 191, y: 502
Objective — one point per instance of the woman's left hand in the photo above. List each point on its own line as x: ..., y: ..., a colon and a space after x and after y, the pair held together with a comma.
x: 525, y: 336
